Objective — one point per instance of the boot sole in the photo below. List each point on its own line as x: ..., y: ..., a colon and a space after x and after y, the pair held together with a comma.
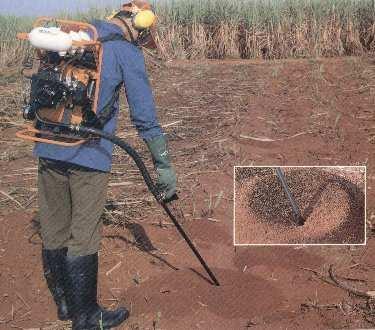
x: 98, y: 327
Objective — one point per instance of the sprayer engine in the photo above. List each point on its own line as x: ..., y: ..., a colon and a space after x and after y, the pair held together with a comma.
x: 61, y: 89
x: 46, y: 91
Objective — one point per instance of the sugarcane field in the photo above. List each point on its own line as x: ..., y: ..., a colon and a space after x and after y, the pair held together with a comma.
x: 177, y: 165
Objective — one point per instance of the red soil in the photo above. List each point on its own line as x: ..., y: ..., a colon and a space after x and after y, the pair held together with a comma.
x: 218, y: 103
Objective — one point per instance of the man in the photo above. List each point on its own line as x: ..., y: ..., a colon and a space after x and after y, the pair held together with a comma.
x: 72, y: 184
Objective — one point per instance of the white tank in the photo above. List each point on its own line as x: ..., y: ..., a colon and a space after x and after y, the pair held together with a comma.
x: 52, y: 39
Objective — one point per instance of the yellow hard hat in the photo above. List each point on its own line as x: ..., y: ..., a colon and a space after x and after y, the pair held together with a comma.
x: 144, y: 19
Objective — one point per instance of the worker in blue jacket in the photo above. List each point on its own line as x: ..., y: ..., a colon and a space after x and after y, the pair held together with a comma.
x: 72, y: 182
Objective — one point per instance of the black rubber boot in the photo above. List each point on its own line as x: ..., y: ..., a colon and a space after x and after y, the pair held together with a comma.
x: 81, y: 293
x: 53, y: 266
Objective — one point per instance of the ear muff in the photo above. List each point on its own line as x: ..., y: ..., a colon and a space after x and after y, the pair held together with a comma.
x: 138, y: 23
x: 144, y: 19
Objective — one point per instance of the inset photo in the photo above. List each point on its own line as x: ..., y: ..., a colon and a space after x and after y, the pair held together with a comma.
x: 299, y: 205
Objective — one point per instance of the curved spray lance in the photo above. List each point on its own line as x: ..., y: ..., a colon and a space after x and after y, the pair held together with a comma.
x: 150, y: 185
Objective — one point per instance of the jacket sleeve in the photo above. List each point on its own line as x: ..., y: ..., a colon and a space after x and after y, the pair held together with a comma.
x: 138, y: 91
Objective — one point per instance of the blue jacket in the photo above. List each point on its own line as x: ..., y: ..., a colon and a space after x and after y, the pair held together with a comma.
x: 122, y: 62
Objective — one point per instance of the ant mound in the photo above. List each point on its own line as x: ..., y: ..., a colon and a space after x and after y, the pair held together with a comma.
x: 332, y: 207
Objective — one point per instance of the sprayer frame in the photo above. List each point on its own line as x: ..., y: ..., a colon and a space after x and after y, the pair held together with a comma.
x: 30, y: 133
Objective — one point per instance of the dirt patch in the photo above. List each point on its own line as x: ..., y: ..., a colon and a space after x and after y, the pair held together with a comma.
x: 331, y: 205
x: 241, y: 295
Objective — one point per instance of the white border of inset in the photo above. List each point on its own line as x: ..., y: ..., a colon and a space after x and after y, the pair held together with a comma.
x: 295, y: 244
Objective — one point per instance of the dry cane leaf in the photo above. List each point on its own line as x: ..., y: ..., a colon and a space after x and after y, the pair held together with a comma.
x: 266, y: 139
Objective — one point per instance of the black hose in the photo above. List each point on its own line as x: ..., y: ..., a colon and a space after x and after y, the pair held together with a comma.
x: 85, y: 131
x: 150, y: 184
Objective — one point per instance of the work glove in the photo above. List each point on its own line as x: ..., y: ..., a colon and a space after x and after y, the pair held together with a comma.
x: 166, y: 181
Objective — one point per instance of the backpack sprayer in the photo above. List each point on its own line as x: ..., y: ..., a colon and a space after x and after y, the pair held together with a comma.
x: 65, y: 84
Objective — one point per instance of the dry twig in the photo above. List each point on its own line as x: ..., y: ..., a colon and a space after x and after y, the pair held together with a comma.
x: 332, y: 279
x: 266, y: 139
x: 11, y: 198
x: 346, y: 287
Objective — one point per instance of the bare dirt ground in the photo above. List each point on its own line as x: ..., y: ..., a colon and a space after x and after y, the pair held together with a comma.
x: 218, y: 114
x: 331, y: 202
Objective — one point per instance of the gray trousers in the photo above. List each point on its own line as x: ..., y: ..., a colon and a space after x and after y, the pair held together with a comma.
x: 71, y: 201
